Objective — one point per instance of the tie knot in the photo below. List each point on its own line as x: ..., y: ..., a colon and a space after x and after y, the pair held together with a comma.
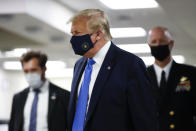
x: 163, y: 73
x: 36, y: 90
x: 91, y: 61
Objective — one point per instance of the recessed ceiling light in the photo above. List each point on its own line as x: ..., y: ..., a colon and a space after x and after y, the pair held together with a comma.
x: 130, y: 4
x: 16, y: 52
x: 12, y: 65
x: 51, y: 65
x: 148, y: 60
x: 128, y: 32
x: 66, y: 72
x: 179, y: 58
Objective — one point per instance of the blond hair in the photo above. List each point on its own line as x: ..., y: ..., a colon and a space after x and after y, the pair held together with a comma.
x: 96, y: 20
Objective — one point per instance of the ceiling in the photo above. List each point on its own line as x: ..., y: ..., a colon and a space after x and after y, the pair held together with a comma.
x: 41, y: 25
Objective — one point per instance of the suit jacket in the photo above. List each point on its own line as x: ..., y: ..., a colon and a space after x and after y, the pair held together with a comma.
x: 121, y: 99
x: 177, y: 102
x: 57, y: 109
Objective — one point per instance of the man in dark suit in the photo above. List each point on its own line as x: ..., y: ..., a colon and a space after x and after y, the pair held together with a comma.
x: 110, y: 89
x: 174, y: 84
x: 42, y: 106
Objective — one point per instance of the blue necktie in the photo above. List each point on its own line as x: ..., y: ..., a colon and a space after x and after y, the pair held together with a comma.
x: 33, y: 118
x: 79, y: 119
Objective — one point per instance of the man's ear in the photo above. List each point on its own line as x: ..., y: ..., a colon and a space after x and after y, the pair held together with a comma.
x: 99, y: 34
x: 98, y: 38
x: 44, y: 69
x: 171, y: 45
x: 44, y: 73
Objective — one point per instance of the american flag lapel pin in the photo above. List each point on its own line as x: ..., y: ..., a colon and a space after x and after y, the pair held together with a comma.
x: 53, y: 96
x: 109, y: 67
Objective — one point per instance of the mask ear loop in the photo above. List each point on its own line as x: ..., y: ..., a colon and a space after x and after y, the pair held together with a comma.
x: 96, y: 40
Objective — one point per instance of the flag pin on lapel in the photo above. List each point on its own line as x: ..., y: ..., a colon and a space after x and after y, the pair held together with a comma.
x: 108, y: 67
x: 53, y: 97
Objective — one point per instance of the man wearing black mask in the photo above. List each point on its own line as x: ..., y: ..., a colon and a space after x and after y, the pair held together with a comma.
x: 174, y: 84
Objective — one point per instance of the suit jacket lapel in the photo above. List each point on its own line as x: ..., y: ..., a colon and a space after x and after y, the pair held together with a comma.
x: 73, y: 96
x: 171, y: 85
x: 164, y: 101
x: 153, y: 77
x: 21, y: 110
x: 102, y: 77
x: 156, y: 89
x: 52, y: 99
x: 173, y: 78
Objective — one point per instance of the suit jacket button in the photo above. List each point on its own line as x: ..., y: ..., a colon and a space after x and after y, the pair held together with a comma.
x: 171, y: 126
x: 171, y: 113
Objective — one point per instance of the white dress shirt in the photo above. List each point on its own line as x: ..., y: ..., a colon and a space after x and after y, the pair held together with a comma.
x: 98, y: 58
x: 158, y: 71
x: 42, y: 108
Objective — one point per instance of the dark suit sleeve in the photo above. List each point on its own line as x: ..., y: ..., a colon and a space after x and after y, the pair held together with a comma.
x: 12, y: 116
x: 140, y: 100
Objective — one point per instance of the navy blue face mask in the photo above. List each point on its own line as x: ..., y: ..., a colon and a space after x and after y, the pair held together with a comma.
x: 81, y: 44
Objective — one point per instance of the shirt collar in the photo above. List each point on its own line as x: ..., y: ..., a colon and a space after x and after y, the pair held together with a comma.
x: 167, y: 68
x: 100, y: 55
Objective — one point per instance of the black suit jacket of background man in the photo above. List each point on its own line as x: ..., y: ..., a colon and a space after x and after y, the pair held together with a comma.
x: 57, y: 109
x: 177, y: 102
